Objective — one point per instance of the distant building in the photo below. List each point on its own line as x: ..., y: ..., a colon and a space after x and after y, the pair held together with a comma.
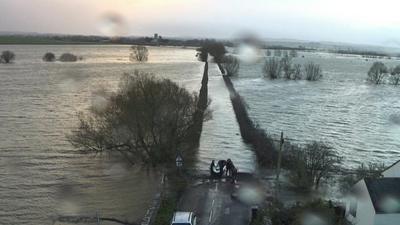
x: 156, y: 39
x: 376, y: 201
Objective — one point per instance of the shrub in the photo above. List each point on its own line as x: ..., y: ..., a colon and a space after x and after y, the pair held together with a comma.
x: 215, y: 49
x: 231, y: 65
x: 68, y: 57
x: 395, y: 79
x: 297, y: 74
x: 286, y: 65
x: 321, y: 212
x: 311, y: 164
x: 377, y: 73
x: 49, y: 57
x: 7, y: 57
x: 272, y: 68
x: 395, y: 75
x: 312, y: 71
x: 372, y: 170
x: 139, y: 53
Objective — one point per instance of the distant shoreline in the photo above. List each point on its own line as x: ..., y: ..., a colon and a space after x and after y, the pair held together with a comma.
x: 26, y: 39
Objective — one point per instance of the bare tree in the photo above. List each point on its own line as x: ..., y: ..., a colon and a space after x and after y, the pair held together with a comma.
x: 139, y: 53
x: 377, y: 73
x: 286, y: 65
x: 231, y: 65
x: 312, y: 164
x: 146, y: 120
x: 297, y: 73
x: 313, y: 72
x: 371, y: 170
x: 395, y: 75
x: 272, y: 68
x: 49, y: 57
x: 7, y: 57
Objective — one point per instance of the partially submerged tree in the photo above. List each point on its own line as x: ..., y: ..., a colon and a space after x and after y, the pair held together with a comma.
x: 395, y: 75
x: 49, y: 57
x: 146, y: 120
x: 313, y: 72
x: 231, y: 65
x: 286, y: 65
x: 68, y: 57
x: 139, y: 53
x: 215, y: 49
x: 7, y: 57
x: 377, y: 73
x: 297, y: 73
x: 272, y: 68
x: 311, y: 164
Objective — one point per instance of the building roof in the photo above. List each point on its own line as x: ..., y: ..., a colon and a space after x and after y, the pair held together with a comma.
x: 391, y: 166
x: 384, y: 194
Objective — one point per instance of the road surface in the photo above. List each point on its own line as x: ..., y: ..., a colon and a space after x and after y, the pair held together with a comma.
x: 219, y: 202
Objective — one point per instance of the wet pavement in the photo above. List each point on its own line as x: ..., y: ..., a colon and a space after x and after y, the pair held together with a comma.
x: 221, y: 202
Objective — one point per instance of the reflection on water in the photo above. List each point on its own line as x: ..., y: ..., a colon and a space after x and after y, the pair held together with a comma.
x: 43, y: 176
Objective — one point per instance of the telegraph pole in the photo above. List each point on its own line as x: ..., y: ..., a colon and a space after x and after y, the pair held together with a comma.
x: 278, y: 170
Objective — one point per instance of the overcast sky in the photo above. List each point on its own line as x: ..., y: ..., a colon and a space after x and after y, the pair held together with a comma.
x: 355, y: 21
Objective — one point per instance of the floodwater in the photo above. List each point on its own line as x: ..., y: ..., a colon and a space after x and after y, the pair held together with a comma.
x: 360, y: 121
x: 42, y: 176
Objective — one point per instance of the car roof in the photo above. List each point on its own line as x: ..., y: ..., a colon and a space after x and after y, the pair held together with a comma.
x: 182, y: 217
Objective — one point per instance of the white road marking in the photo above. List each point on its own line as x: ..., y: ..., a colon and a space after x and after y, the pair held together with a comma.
x: 216, y: 186
x: 211, y: 214
x: 212, y: 204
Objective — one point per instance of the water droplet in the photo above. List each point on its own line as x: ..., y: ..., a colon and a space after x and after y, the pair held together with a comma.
x: 111, y: 24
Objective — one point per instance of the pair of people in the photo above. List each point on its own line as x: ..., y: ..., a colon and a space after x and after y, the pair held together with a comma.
x: 222, y: 167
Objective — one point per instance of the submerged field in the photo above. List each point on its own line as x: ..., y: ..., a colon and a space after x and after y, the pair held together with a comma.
x: 44, y: 176
x: 361, y: 121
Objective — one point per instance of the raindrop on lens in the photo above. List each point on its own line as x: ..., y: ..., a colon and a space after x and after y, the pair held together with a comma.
x: 111, y: 24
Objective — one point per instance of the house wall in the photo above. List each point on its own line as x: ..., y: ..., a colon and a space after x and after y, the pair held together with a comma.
x: 393, y: 171
x: 365, y: 210
x: 387, y: 219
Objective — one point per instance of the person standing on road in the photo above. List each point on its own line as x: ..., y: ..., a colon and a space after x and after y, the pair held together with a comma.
x: 229, y: 166
x: 234, y: 175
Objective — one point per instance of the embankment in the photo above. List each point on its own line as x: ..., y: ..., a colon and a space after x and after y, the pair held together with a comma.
x: 195, y: 131
x: 251, y: 133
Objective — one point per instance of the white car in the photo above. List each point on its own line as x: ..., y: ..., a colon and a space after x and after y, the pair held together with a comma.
x: 184, y: 218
